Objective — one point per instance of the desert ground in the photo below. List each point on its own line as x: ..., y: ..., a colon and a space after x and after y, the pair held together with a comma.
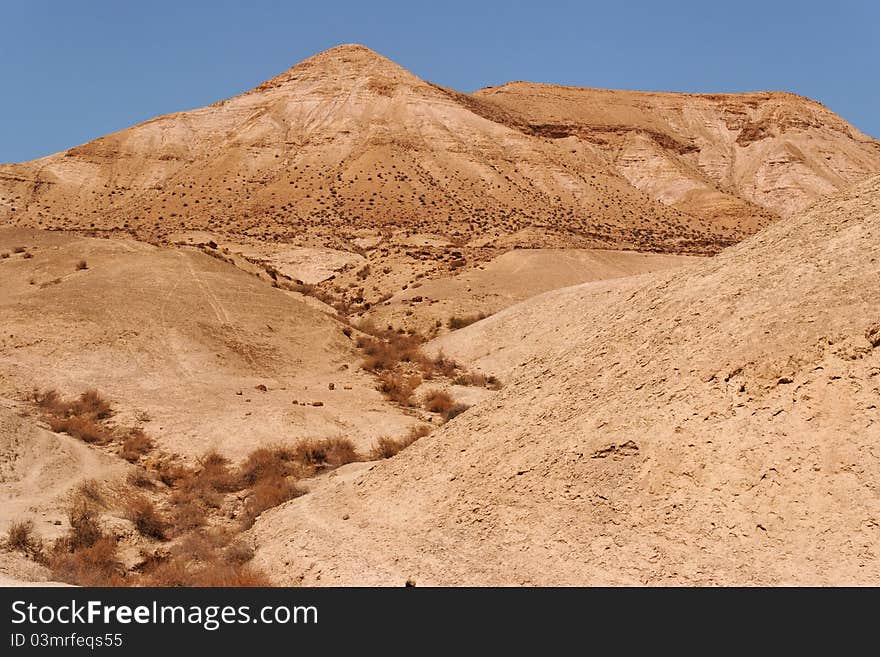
x: 355, y: 328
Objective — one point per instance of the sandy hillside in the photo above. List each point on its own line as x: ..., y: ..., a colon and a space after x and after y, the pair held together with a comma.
x: 731, y: 157
x: 715, y: 424
x: 516, y: 275
x: 183, y: 339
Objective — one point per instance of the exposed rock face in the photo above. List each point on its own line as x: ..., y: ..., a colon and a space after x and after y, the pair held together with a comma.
x: 714, y: 155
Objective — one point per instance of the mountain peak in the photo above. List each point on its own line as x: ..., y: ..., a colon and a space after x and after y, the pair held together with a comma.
x: 346, y: 61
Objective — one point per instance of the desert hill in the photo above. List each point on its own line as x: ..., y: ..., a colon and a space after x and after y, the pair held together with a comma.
x: 348, y: 145
x: 729, y: 157
x: 344, y: 141
x: 182, y: 339
x: 714, y: 424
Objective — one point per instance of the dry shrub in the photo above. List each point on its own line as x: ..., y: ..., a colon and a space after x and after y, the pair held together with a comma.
x: 82, y: 264
x: 19, y: 249
x: 325, y: 454
x: 458, y: 322
x: 179, y: 572
x: 267, y: 493
x: 147, y: 520
x: 95, y: 565
x: 455, y: 411
x: 82, y: 428
x: 84, y: 528
x: 20, y: 537
x: 231, y: 575
x: 78, y: 417
x: 187, y: 515
x: 416, y: 432
x: 438, y: 401
x: 398, y: 388
x: 91, y: 404
x: 386, y: 350
x: 135, y: 445
x: 440, y: 365
x: 266, y: 463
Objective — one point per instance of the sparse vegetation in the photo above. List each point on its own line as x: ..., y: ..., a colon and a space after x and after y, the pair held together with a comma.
x: 135, y: 445
x: 81, y: 265
x: 438, y: 401
x: 460, y: 321
x: 146, y: 519
x: 21, y: 538
x: 386, y: 447
x: 398, y: 388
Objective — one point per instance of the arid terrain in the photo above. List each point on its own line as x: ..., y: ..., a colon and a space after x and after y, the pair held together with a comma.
x: 352, y: 327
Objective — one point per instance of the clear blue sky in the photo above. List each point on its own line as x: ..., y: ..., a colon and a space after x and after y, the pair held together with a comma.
x: 72, y: 71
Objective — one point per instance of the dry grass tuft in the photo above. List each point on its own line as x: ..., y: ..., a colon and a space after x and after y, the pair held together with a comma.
x: 459, y: 322
x: 267, y: 493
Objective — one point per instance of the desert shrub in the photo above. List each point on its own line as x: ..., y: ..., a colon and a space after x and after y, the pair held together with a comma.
x: 94, y: 565
x: 326, y: 453
x: 455, y: 411
x: 437, y: 401
x: 214, y: 473
x: 398, y: 388
x: 230, y: 575
x: 458, y: 322
x: 147, y: 520
x: 187, y: 515
x: 84, y: 529
x: 82, y: 264
x: 80, y: 427
x: 440, y: 365
x: 91, y: 404
x: 19, y: 249
x: 20, y: 537
x: 266, y: 463
x: 386, y: 447
x: 267, y: 493
x: 170, y: 472
x: 135, y: 445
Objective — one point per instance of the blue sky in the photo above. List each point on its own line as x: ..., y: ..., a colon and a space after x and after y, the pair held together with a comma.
x: 72, y: 71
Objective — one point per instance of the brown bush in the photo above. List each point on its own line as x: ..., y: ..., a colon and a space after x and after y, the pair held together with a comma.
x: 267, y: 493
x: 266, y: 463
x: 238, y: 553
x: 147, y: 520
x: 20, y: 537
x: 440, y: 365
x: 437, y: 401
x: 95, y: 565
x: 398, y: 388
x: 326, y: 453
x: 91, y: 404
x: 19, y: 249
x: 135, y: 445
x: 84, y: 528
x: 386, y: 350
x: 458, y: 322
x: 215, y: 474
x: 387, y: 447
x: 82, y: 264
x: 82, y: 428
x: 187, y: 515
